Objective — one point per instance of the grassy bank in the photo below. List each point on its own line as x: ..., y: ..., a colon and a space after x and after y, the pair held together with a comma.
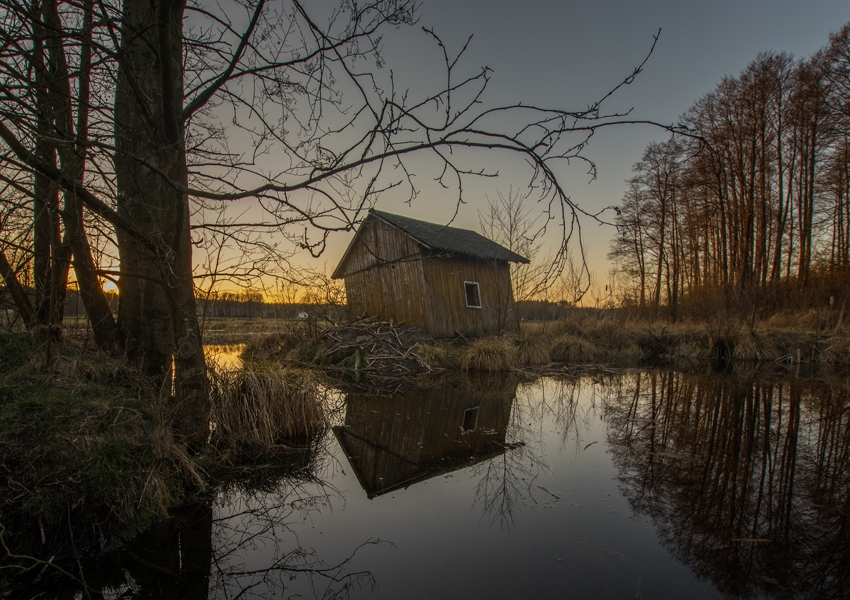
x: 585, y: 337
x: 87, y: 457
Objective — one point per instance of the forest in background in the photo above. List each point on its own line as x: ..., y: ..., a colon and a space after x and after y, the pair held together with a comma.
x: 751, y: 212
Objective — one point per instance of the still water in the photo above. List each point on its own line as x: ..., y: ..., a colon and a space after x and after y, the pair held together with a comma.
x: 632, y: 485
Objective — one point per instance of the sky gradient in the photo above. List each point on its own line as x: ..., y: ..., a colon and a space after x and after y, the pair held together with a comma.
x: 568, y: 54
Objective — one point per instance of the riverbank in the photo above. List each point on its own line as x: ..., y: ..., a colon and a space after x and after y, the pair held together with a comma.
x: 87, y: 457
x: 372, y: 348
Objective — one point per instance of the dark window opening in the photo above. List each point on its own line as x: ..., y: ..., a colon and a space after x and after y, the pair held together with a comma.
x: 472, y: 293
x: 470, y: 419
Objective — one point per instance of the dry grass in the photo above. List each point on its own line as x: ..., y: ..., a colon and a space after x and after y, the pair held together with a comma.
x: 758, y: 348
x: 488, y: 354
x: 532, y: 350
x: 691, y: 350
x: 837, y: 351
x: 85, y: 431
x: 259, y: 410
x: 272, y: 346
x: 435, y: 356
x: 239, y: 330
x: 569, y: 348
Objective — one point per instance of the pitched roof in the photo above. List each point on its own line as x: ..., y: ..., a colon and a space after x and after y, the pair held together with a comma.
x: 450, y: 239
x: 442, y: 238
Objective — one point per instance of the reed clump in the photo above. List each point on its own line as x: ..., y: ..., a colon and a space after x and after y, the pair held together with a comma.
x: 436, y: 356
x: 570, y: 348
x: 261, y: 410
x: 758, y: 348
x: 837, y: 351
x: 491, y: 354
x: 532, y: 350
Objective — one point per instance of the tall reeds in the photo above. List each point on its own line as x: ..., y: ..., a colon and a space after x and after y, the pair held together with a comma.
x: 265, y: 409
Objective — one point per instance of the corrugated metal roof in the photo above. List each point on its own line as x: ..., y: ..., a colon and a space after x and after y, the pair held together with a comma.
x: 450, y: 239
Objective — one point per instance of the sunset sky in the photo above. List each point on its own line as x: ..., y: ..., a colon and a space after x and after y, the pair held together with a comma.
x: 568, y: 54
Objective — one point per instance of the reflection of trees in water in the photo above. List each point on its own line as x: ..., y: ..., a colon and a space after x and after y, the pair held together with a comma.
x: 257, y: 550
x: 243, y: 544
x: 746, y: 481
x: 507, y: 482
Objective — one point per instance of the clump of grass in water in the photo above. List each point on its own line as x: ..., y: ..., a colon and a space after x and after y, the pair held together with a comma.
x: 489, y: 354
x: 755, y: 348
x: 532, y: 350
x: 437, y: 357
x: 257, y: 410
x: 838, y: 351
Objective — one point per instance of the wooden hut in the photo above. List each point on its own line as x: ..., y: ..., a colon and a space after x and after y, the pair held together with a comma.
x: 445, y: 280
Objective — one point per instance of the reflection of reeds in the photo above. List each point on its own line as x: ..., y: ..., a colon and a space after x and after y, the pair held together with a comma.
x: 260, y: 409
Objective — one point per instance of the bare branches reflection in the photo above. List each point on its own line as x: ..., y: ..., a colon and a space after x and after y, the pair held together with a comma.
x: 745, y: 480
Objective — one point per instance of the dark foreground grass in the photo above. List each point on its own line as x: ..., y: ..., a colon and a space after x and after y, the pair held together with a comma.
x: 82, y: 436
x: 87, y: 457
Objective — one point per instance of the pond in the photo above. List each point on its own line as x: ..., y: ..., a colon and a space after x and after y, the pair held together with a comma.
x: 644, y: 484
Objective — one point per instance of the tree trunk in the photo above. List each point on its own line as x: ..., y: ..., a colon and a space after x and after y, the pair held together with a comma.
x: 157, y: 312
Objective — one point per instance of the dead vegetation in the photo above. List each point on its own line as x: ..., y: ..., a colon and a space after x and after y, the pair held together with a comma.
x: 87, y: 451
x: 260, y: 411
x: 489, y: 354
x: 366, y: 346
x: 374, y: 350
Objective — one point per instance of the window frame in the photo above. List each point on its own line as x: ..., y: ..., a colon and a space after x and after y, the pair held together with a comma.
x: 466, y: 294
x: 470, y: 411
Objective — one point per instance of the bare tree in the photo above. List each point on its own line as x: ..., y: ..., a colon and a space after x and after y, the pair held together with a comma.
x: 159, y: 90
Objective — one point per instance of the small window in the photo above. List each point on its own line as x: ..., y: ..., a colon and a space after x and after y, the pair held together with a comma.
x: 470, y: 419
x: 472, y: 293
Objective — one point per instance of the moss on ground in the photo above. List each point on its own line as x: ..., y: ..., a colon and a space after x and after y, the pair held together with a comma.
x: 83, y: 435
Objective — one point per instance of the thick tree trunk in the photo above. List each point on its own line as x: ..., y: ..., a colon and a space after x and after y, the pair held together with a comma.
x: 45, y: 191
x: 157, y: 312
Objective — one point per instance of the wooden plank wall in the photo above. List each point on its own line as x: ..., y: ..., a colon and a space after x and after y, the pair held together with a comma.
x: 448, y: 313
x: 383, y: 276
x: 388, y: 275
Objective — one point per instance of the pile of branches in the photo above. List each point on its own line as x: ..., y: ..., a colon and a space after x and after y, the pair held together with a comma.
x: 373, y: 347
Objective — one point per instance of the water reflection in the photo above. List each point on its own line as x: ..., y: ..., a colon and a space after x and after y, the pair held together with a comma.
x: 239, y: 543
x: 393, y: 442
x: 746, y: 481
x: 224, y: 356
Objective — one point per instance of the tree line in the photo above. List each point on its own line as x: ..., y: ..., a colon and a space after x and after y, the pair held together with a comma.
x: 755, y: 202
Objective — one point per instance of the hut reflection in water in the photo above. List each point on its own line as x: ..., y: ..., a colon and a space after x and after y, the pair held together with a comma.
x: 393, y: 442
